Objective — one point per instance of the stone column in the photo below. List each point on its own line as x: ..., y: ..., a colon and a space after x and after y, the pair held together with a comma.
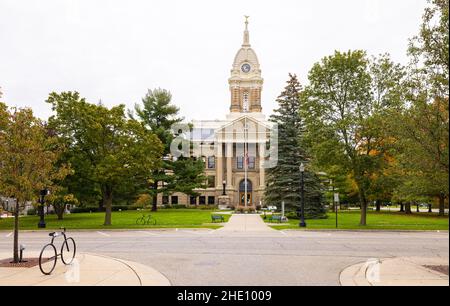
x: 219, y: 166
x: 262, y: 173
x: 229, y: 156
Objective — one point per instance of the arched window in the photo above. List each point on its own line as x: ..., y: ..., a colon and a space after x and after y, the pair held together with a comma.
x: 242, y: 186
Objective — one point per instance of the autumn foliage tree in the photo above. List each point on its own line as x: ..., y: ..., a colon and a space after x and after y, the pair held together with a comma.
x: 28, y: 160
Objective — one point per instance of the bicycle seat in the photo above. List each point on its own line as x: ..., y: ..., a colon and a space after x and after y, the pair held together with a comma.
x: 54, y: 234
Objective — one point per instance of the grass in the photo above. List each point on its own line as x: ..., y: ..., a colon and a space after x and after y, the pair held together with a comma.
x: 166, y: 218
x: 349, y: 220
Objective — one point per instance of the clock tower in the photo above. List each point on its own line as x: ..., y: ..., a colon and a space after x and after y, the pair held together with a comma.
x: 246, y: 82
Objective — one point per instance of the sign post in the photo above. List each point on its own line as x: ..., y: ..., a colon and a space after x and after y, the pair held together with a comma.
x: 336, y: 205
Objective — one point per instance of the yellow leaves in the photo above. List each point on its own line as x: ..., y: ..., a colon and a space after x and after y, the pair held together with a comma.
x: 144, y: 200
x: 27, y: 156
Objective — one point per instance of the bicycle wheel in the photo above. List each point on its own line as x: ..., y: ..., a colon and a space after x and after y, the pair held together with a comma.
x: 140, y: 221
x: 47, y: 259
x: 68, y: 251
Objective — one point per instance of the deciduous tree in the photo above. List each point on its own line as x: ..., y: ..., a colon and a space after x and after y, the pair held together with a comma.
x: 29, y: 156
x: 106, y: 149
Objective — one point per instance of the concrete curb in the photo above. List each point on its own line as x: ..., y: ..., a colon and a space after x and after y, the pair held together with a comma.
x: 89, y: 270
x: 147, y: 276
x: 400, y: 271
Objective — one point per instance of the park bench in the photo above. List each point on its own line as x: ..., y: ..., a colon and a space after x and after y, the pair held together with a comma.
x: 276, y: 218
x: 217, y: 218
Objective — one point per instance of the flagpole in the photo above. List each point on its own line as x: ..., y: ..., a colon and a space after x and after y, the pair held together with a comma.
x: 245, y: 163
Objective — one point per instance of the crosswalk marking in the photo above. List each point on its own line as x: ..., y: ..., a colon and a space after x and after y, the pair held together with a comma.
x: 104, y: 234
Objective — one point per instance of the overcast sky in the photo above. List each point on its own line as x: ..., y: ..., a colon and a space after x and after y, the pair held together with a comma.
x: 115, y: 50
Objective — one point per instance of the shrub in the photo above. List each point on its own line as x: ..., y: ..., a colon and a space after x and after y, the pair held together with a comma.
x: 79, y: 210
x: 178, y: 206
x: 30, y: 212
x: 144, y: 200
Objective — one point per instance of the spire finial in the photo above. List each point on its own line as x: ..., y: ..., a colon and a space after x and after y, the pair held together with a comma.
x: 246, y: 33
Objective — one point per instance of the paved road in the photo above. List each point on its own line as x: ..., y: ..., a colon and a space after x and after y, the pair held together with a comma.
x: 227, y: 257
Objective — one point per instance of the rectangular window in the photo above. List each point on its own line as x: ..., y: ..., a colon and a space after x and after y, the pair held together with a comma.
x: 174, y: 200
x: 193, y: 200
x: 211, y: 200
x: 202, y: 200
x: 240, y: 162
x: 211, y: 162
x: 251, y: 162
x: 165, y: 200
x: 211, y: 181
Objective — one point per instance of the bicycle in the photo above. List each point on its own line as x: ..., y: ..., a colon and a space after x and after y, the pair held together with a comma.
x: 146, y: 220
x: 49, y: 255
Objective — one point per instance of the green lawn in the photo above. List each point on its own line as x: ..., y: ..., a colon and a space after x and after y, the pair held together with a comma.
x: 376, y: 221
x: 166, y: 218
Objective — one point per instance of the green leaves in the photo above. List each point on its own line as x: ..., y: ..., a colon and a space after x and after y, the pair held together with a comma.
x: 283, y: 181
x: 430, y: 48
x: 158, y: 115
x: 106, y: 149
x: 28, y: 155
x: 344, y: 109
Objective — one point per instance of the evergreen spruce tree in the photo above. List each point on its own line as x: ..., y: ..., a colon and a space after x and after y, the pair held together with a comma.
x: 284, y: 180
x: 158, y: 114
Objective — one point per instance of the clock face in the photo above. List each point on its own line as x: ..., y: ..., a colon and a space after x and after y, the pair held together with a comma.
x: 246, y: 68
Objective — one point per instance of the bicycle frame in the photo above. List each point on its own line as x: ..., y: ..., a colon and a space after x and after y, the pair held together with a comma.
x: 65, y: 246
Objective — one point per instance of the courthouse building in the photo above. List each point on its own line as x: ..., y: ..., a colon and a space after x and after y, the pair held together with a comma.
x: 234, y: 149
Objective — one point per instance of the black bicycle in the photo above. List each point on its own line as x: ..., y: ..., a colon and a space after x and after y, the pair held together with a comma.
x: 146, y: 220
x: 49, y: 255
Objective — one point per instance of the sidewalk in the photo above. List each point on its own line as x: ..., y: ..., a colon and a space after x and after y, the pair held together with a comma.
x: 245, y: 223
x: 87, y: 270
x: 402, y: 271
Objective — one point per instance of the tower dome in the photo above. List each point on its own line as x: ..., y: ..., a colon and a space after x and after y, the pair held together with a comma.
x: 246, y: 81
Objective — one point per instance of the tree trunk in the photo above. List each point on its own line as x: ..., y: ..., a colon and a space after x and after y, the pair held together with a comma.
x: 408, y: 208
x: 442, y: 204
x: 363, y: 201
x: 101, y: 205
x: 16, y: 233
x: 418, y: 207
x: 59, y: 210
x: 107, y: 204
x: 402, y: 207
x: 378, y: 203
x: 155, y: 197
x: 430, y: 208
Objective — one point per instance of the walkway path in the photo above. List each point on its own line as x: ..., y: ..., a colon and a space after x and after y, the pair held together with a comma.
x: 245, y: 223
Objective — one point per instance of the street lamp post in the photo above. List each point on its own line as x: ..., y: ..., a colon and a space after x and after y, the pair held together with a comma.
x: 302, y: 190
x: 42, y: 223
x: 224, y: 183
x: 335, y: 203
